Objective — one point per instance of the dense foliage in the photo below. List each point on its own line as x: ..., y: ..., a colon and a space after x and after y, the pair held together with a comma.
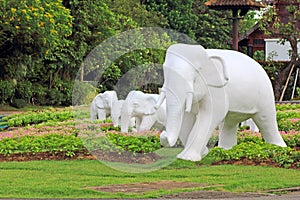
x: 43, y: 45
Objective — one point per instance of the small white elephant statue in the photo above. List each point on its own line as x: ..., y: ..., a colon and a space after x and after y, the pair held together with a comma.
x: 141, y: 106
x: 102, y: 104
x: 204, y: 88
x: 116, y: 113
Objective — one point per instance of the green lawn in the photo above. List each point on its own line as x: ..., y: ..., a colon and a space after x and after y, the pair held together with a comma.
x: 66, y: 179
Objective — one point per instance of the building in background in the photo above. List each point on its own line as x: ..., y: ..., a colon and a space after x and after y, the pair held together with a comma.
x: 255, y: 40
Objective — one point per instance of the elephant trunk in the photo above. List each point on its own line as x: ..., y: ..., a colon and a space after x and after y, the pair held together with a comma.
x: 125, y: 117
x: 175, y: 110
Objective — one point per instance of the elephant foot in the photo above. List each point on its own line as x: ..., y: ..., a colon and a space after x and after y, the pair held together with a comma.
x: 167, y: 141
x: 193, y: 156
x: 189, y: 156
x: 164, y: 139
x: 280, y: 142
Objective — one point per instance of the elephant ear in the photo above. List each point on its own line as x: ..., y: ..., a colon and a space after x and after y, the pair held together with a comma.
x: 215, y: 71
x: 150, y: 106
x: 99, y: 101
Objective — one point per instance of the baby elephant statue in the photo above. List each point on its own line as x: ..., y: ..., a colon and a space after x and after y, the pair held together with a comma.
x: 141, y: 106
x: 116, y: 113
x: 207, y: 87
x: 102, y: 104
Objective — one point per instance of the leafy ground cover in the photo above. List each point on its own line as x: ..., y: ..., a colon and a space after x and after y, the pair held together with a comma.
x: 59, y: 132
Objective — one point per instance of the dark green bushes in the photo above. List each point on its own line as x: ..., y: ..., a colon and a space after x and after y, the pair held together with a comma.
x: 284, y: 157
x: 54, y: 143
x: 32, y: 117
x: 7, y: 90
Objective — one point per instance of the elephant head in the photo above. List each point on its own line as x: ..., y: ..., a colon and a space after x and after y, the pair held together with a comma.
x: 102, y: 104
x: 188, y: 72
x: 105, y: 100
x: 137, y: 105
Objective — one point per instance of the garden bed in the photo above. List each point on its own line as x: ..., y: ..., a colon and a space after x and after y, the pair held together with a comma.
x: 55, y: 134
x: 21, y: 157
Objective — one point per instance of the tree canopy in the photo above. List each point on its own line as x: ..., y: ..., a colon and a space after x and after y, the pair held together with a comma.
x: 44, y: 42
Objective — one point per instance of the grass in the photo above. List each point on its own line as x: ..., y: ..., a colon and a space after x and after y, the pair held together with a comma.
x: 70, y: 179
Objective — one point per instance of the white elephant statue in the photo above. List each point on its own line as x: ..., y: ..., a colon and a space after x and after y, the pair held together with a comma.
x: 102, y: 104
x: 141, y: 106
x: 204, y: 88
x: 251, y: 124
x: 116, y: 113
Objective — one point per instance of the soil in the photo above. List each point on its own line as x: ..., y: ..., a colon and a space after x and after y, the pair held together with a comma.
x: 200, y: 194
x: 126, y: 157
x: 45, y: 156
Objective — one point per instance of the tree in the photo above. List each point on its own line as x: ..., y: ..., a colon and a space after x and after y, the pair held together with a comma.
x: 30, y: 31
x: 286, y: 27
x: 213, y: 27
x: 179, y: 13
x: 137, y: 12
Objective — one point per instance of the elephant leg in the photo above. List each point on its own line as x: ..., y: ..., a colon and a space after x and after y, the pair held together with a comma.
x: 197, y: 140
x: 268, y: 127
x: 186, y: 127
x: 227, y: 133
x: 93, y: 114
x: 147, y: 122
x: 101, y: 114
x: 229, y: 128
x: 138, y: 122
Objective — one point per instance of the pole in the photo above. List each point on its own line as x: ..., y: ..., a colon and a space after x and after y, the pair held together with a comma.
x: 295, y: 83
x: 235, y: 31
x: 286, y: 83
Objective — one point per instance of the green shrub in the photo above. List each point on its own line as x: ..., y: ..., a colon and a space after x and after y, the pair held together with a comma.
x: 54, y: 143
x: 292, y: 138
x: 7, y: 90
x: 24, y: 90
x: 67, y: 90
x: 18, y: 103
x: 83, y: 93
x: 39, y: 94
x: 284, y: 156
x: 135, y: 144
x: 100, y: 143
x: 286, y: 107
x: 36, y: 117
x: 55, y: 97
x: 288, y: 120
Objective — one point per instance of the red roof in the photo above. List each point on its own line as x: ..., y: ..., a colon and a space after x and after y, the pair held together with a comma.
x: 226, y: 4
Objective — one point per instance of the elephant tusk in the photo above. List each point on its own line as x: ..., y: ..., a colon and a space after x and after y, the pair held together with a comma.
x: 189, y: 101
x: 160, y: 100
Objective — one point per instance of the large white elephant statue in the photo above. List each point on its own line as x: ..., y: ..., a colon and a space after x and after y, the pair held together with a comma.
x: 204, y: 88
x: 102, y: 104
x: 141, y: 106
